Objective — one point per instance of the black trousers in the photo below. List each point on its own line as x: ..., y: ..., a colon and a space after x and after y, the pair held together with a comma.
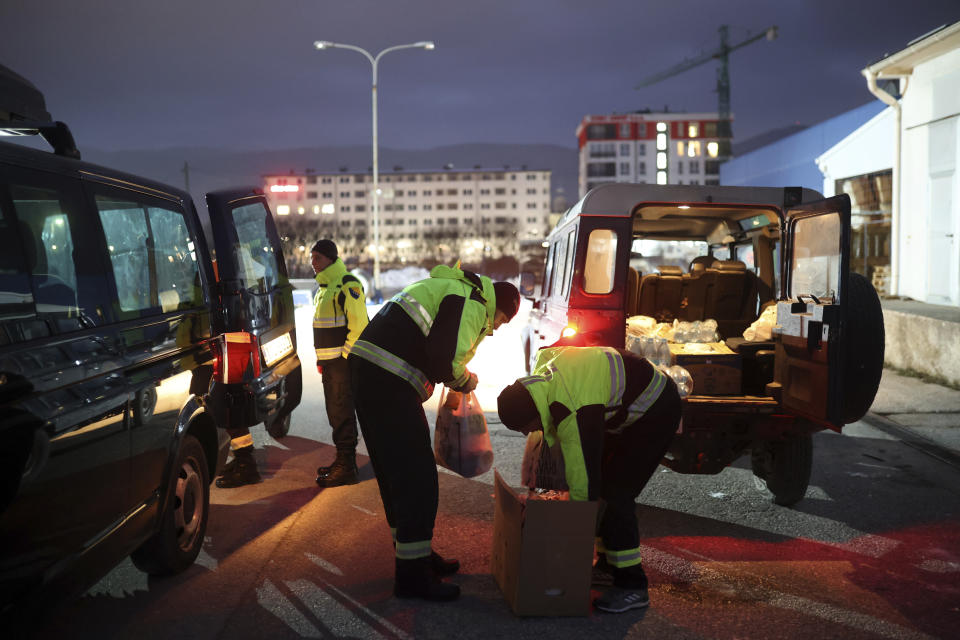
x: 629, y: 461
x: 338, y: 398
x: 397, y: 435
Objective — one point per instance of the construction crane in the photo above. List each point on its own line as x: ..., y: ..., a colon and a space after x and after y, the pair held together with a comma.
x: 724, y: 130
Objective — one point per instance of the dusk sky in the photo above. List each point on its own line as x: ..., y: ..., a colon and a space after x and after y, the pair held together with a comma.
x: 242, y: 74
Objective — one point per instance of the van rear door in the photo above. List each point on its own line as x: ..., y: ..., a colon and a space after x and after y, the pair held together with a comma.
x: 256, y: 301
x: 811, y: 311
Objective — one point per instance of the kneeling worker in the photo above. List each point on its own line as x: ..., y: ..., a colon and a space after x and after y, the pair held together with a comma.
x: 614, y: 416
x: 424, y: 335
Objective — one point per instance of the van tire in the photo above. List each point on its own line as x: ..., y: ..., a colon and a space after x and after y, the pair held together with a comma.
x: 781, y: 468
x: 279, y: 427
x: 864, y: 339
x: 144, y: 403
x: 183, y: 523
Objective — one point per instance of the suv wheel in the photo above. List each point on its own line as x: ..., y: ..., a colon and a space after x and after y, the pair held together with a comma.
x: 184, y: 521
x: 279, y: 427
x: 781, y: 469
x: 865, y: 339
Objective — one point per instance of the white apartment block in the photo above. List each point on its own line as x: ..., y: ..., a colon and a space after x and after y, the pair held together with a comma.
x: 656, y: 148
x: 451, y: 214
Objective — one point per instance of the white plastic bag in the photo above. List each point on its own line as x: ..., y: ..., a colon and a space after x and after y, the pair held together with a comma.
x: 461, y: 442
x: 762, y: 328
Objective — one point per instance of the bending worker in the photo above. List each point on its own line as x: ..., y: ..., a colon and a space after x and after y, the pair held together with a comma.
x: 340, y: 314
x: 614, y: 415
x: 426, y: 334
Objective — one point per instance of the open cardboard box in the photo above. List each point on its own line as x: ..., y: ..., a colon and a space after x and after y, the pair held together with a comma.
x: 542, y: 553
x: 715, y: 369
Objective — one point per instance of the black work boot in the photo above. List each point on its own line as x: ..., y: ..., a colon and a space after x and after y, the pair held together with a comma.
x: 240, y: 471
x: 416, y: 579
x: 443, y: 566
x: 343, y: 471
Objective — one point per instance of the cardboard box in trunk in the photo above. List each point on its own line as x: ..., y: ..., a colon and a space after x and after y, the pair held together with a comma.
x: 542, y: 554
x: 716, y: 370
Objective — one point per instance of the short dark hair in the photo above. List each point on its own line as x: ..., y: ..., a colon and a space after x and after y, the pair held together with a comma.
x: 508, y: 298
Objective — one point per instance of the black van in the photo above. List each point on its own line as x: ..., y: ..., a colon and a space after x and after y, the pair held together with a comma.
x: 625, y: 250
x: 116, y: 376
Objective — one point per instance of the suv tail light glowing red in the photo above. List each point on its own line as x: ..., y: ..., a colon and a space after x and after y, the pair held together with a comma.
x: 236, y: 357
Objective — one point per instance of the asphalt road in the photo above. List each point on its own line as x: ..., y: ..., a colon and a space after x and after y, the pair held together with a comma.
x: 873, y: 551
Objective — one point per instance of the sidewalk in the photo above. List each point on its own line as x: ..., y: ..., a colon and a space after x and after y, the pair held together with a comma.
x: 928, y: 411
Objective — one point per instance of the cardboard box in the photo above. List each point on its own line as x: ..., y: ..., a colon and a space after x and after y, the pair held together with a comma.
x: 542, y: 554
x: 716, y: 370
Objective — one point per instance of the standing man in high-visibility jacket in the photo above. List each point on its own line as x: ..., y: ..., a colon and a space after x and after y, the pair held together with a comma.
x: 424, y: 335
x: 614, y: 416
x: 340, y: 315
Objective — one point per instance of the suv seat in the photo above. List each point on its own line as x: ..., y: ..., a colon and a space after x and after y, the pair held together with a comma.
x: 732, y: 300
x: 696, y: 288
x: 660, y: 294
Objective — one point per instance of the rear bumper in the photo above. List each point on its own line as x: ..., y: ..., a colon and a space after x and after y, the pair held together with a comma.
x: 273, y: 395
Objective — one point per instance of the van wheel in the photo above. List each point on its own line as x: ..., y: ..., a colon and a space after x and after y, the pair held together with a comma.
x: 864, y: 345
x: 279, y: 427
x: 184, y: 520
x: 781, y: 469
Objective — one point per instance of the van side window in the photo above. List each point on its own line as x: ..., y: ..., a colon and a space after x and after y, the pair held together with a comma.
x: 600, y: 263
x: 152, y: 254
x: 744, y: 253
x: 559, y: 262
x: 568, y: 262
x: 548, y: 270
x: 44, y: 226
x: 258, y: 267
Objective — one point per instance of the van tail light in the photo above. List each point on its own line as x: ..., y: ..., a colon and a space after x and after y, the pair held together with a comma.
x: 236, y: 358
x: 569, y: 331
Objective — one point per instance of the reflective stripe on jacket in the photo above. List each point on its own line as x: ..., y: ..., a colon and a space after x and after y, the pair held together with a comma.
x: 340, y: 312
x: 579, y: 392
x: 428, y: 332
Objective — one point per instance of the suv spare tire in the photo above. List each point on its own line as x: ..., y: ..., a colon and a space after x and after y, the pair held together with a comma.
x: 864, y: 341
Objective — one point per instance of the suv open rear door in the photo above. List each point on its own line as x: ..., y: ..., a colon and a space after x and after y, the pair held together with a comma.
x: 811, y: 311
x: 259, y: 346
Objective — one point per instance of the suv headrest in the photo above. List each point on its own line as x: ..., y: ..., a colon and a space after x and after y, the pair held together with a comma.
x: 701, y: 262
x: 729, y: 266
x: 670, y: 270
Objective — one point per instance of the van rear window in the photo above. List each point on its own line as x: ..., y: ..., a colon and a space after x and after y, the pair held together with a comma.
x: 256, y: 256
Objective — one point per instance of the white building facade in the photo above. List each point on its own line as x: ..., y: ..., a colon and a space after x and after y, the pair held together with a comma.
x: 656, y: 148
x: 449, y: 214
x: 923, y: 129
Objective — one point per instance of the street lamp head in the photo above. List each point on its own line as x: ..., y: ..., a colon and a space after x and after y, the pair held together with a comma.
x: 426, y: 45
x: 323, y: 44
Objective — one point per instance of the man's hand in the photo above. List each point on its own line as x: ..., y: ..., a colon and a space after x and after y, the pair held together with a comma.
x: 470, y: 385
x: 319, y: 368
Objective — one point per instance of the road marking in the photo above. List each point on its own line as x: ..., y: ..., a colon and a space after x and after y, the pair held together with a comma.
x: 392, y: 628
x: 362, y: 510
x: 323, y: 564
x: 702, y: 575
x: 343, y: 622
x: 270, y: 598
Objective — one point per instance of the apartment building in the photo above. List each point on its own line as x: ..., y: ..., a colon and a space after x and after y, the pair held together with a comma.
x: 447, y: 215
x: 646, y: 147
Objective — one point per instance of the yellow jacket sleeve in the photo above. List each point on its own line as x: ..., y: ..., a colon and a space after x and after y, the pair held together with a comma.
x: 355, y: 308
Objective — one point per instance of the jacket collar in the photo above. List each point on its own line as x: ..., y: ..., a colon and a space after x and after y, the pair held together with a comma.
x: 332, y: 274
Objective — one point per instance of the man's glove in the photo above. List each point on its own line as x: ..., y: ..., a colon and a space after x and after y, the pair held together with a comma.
x: 319, y: 368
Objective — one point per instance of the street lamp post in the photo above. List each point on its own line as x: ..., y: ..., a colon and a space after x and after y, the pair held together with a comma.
x: 323, y: 44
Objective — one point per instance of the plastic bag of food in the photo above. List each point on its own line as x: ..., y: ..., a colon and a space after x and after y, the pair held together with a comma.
x: 762, y: 328
x: 542, y: 465
x: 461, y: 442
